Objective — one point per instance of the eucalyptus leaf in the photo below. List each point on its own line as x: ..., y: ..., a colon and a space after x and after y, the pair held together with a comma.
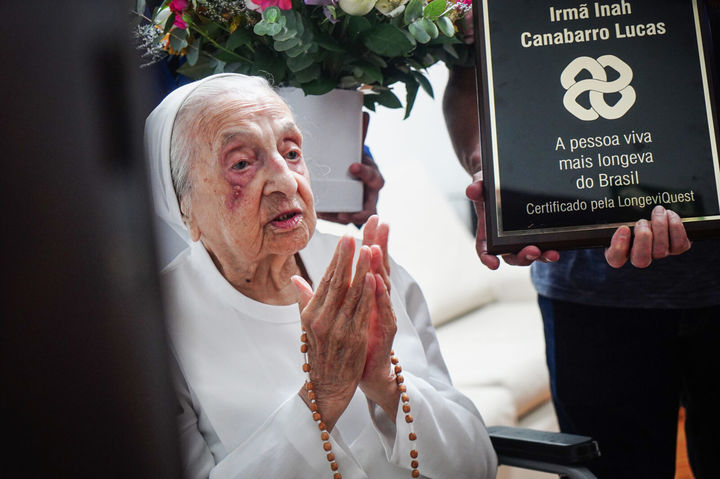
x: 434, y: 9
x: 387, y: 40
x: 284, y: 34
x: 271, y: 14
x: 193, y: 51
x: 446, y: 26
x: 430, y: 28
x: 285, y: 45
x: 261, y: 28
x: 274, y: 29
x: 299, y: 49
x: 309, y: 74
x: 300, y: 62
x: 413, y: 10
x: 178, y: 39
x: 417, y: 30
x: 238, y: 38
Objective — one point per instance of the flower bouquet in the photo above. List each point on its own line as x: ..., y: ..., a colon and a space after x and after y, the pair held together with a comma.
x: 315, y: 45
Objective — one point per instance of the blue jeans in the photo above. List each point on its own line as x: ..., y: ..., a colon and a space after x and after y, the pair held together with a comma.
x: 619, y: 375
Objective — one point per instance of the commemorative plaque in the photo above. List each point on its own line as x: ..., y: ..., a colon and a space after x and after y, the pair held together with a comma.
x: 591, y: 115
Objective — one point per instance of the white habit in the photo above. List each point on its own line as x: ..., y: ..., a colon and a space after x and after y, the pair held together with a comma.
x: 242, y: 370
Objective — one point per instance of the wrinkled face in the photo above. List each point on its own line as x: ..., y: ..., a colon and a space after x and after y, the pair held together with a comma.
x: 250, y: 196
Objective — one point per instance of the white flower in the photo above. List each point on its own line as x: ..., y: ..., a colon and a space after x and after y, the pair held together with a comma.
x: 356, y: 7
x: 162, y: 16
x: 391, y: 8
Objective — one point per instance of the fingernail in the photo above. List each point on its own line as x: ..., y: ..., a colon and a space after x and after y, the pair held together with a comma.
x: 658, y: 210
x: 642, y: 224
x: 531, y: 257
x: 355, y: 167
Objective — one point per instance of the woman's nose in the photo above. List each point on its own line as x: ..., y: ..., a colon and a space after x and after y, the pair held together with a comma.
x: 280, y: 177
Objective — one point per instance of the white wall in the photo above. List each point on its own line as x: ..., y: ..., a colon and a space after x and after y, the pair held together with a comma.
x: 402, y: 146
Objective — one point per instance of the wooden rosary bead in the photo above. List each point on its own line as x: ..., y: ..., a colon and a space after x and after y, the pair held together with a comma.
x: 325, y: 436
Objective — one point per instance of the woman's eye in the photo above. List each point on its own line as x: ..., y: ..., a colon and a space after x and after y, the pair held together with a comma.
x: 240, y: 165
x: 293, y: 155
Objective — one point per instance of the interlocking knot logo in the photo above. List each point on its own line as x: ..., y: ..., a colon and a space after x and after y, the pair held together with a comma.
x: 598, y: 86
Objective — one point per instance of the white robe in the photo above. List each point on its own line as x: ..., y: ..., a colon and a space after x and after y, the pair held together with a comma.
x: 241, y: 370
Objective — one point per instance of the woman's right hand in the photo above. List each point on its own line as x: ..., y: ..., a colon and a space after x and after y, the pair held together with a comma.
x: 335, y: 319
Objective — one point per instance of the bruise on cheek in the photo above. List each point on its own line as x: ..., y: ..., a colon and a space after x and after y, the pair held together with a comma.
x: 234, y: 197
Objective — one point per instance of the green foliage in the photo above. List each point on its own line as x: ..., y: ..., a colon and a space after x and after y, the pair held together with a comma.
x: 319, y: 48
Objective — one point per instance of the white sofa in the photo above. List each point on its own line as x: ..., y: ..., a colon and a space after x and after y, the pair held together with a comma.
x: 488, y: 322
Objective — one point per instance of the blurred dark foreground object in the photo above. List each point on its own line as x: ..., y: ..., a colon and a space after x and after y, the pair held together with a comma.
x: 83, y: 355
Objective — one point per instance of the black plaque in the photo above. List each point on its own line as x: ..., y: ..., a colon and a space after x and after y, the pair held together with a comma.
x: 591, y: 115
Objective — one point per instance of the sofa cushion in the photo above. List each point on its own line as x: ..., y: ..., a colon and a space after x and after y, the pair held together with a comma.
x: 432, y: 244
x: 501, y: 344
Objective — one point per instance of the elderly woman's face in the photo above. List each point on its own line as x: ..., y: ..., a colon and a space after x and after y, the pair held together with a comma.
x: 250, y: 195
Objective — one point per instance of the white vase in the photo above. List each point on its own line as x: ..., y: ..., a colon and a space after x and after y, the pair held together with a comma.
x: 331, y: 125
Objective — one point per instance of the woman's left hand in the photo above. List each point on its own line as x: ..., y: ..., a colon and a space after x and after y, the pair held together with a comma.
x: 378, y: 381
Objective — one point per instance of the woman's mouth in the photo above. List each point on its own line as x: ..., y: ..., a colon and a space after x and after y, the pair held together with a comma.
x: 287, y: 220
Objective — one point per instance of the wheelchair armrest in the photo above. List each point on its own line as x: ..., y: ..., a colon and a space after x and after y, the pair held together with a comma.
x: 543, y: 446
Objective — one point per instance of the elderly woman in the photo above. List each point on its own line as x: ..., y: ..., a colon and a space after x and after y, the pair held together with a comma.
x: 277, y: 380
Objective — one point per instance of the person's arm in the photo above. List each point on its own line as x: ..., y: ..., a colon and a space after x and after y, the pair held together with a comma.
x: 460, y: 107
x: 452, y: 440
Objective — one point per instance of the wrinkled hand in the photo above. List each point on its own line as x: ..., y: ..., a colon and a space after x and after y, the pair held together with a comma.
x: 368, y: 172
x: 664, y: 235
x: 524, y: 257
x: 336, y: 320
x: 378, y: 382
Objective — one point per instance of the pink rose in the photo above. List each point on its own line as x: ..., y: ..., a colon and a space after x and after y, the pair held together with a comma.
x: 263, y: 4
x: 177, y: 6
